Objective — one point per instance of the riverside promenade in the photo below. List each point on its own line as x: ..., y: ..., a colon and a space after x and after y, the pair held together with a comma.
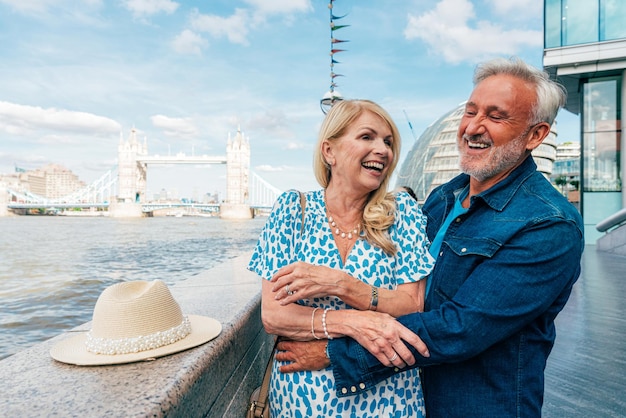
x: 586, y: 373
x: 585, y: 376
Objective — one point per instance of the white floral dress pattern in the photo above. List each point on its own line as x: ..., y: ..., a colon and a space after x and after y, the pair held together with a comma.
x: 312, y: 394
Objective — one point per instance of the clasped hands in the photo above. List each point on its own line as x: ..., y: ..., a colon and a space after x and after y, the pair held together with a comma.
x: 379, y: 333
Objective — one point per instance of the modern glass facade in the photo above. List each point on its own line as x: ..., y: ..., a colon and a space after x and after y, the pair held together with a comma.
x: 601, y: 135
x: 585, y: 50
x: 577, y: 22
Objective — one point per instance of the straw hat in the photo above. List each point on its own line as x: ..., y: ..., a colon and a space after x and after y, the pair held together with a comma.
x: 134, y: 321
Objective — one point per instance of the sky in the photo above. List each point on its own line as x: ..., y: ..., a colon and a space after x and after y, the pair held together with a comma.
x: 78, y: 75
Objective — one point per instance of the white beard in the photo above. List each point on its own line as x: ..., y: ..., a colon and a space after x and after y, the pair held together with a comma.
x: 498, y: 159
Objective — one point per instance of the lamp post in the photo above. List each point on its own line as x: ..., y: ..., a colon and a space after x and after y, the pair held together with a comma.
x: 329, y: 99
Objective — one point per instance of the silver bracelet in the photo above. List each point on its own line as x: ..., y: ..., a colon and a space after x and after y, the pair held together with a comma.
x: 374, y: 301
x: 328, y: 337
x: 313, y: 324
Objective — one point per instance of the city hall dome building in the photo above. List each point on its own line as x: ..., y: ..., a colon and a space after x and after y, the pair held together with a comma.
x: 434, y: 158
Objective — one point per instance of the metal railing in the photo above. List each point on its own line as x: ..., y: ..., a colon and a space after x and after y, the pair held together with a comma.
x: 617, y: 219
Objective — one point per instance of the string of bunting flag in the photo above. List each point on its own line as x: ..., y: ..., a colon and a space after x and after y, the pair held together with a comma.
x: 333, y: 95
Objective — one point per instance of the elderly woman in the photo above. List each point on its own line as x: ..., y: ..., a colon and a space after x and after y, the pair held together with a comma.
x: 355, y: 246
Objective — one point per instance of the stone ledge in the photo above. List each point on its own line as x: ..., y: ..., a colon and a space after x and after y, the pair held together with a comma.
x: 212, y: 380
x: 613, y: 241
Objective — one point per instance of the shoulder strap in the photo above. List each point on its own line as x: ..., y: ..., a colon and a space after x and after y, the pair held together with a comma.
x: 261, y: 403
x: 303, y: 206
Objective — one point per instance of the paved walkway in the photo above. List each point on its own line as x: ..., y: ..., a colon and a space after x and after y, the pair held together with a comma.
x: 586, y: 372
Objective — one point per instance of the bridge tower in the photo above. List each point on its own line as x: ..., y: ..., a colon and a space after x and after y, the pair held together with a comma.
x: 131, y: 180
x: 237, y: 204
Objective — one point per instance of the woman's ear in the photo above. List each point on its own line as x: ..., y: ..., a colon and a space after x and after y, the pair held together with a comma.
x: 327, y: 153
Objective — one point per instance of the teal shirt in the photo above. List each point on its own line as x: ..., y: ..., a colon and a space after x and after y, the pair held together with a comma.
x: 435, y: 246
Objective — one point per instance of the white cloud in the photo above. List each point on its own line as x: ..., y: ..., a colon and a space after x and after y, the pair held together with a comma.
x: 20, y: 119
x: 56, y: 139
x: 274, y: 122
x: 235, y: 27
x: 189, y: 42
x: 150, y: 7
x: 518, y: 9
x: 60, y: 7
x: 29, y: 6
x: 296, y: 145
x: 448, y: 31
x: 272, y: 7
x: 175, y: 126
x: 266, y: 168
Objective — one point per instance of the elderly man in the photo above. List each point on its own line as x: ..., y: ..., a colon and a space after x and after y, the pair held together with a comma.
x: 508, y: 250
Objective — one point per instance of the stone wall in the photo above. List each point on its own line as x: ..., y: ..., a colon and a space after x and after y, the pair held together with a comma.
x: 613, y: 241
x: 212, y: 380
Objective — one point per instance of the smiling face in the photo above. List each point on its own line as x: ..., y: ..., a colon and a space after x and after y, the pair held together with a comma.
x: 359, y: 160
x: 495, y: 135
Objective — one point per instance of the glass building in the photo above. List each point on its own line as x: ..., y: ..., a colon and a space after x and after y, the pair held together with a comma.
x: 585, y: 50
x: 434, y: 158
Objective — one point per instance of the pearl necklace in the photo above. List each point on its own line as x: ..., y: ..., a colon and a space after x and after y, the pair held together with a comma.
x: 350, y: 234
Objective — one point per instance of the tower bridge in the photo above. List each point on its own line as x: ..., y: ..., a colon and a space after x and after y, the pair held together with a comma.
x: 122, y: 189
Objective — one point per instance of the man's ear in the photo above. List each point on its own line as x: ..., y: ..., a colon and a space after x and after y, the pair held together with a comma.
x: 537, y: 134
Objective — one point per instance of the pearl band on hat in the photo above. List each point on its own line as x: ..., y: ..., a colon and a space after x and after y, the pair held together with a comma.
x: 135, y: 321
x: 111, y: 346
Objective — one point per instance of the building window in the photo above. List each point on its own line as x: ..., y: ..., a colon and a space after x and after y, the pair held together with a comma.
x: 552, y: 23
x: 601, y: 135
x: 580, y: 21
x: 612, y: 18
x: 575, y: 22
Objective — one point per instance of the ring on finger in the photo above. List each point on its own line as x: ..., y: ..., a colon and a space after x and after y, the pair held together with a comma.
x: 289, y: 292
x: 395, y: 356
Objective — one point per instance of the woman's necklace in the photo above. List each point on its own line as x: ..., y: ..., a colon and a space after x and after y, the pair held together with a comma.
x: 354, y: 232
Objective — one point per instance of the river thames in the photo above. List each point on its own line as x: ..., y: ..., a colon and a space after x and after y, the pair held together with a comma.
x: 53, y: 268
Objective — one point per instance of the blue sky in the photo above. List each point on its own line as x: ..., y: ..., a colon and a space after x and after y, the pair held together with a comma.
x: 77, y: 74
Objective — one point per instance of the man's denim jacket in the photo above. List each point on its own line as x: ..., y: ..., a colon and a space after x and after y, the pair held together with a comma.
x: 505, y: 270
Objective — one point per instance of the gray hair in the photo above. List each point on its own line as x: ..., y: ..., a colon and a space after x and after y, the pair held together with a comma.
x: 551, y: 96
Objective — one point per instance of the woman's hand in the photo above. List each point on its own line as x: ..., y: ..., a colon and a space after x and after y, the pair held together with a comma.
x: 302, y: 280
x: 380, y: 334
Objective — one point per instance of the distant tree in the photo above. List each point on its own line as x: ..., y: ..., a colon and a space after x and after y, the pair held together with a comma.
x: 560, y: 181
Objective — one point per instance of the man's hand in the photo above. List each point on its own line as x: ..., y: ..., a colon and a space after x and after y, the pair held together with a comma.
x: 303, y: 355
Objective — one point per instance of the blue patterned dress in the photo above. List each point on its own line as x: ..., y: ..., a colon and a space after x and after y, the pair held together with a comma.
x: 312, y: 394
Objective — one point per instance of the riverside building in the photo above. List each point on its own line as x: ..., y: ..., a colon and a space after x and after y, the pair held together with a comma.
x: 585, y: 50
x: 52, y: 181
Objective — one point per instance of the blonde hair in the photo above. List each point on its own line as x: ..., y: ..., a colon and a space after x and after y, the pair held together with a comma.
x: 380, y: 208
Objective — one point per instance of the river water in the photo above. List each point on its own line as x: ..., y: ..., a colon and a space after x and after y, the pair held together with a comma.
x: 53, y: 268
